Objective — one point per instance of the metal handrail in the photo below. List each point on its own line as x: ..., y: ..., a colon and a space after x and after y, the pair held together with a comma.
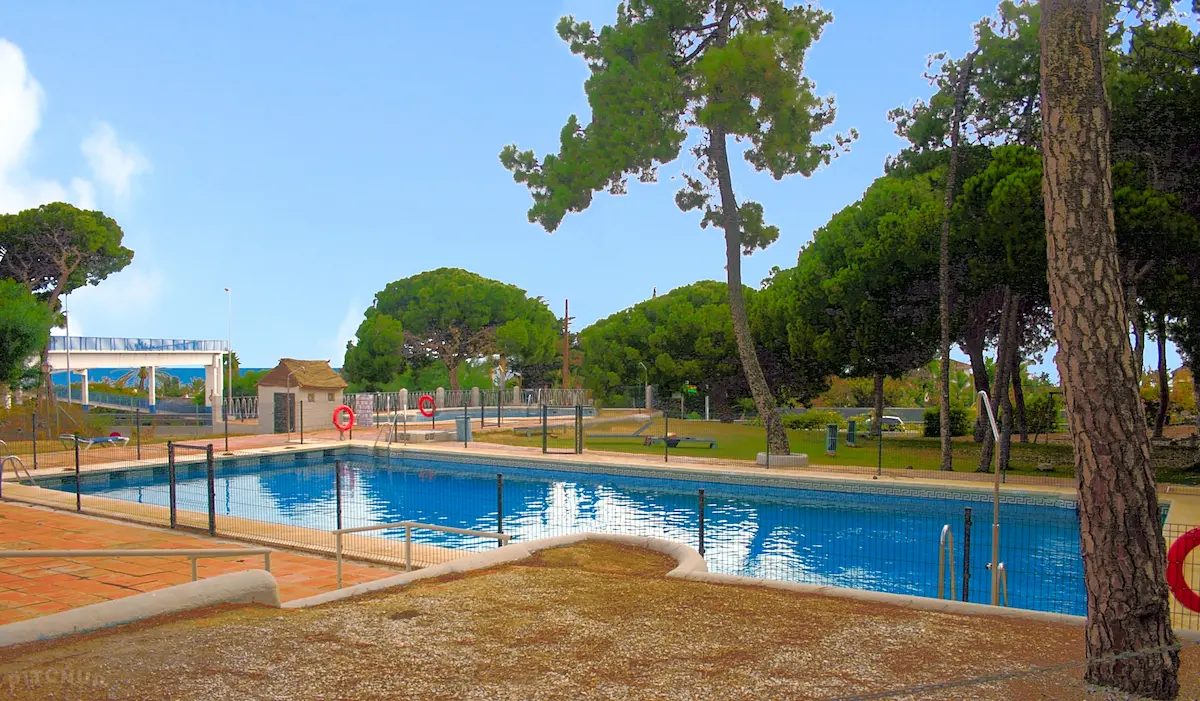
x: 946, y: 549
x: 408, y: 526
x: 192, y: 554
x: 987, y: 405
x: 1003, y: 572
x: 16, y: 461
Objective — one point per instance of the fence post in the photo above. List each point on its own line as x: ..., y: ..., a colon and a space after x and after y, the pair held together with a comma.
x: 966, y: 576
x: 666, y: 432
x: 500, y: 403
x: 137, y: 430
x: 466, y: 425
x: 78, y: 486
x: 499, y: 502
x: 337, y: 466
x: 301, y: 424
x: 35, y: 465
x: 879, y: 460
x: 212, y: 491
x: 544, y: 433
x: 767, y: 426
x: 579, y: 429
x: 171, y: 480
x: 482, y: 404
x: 701, y: 549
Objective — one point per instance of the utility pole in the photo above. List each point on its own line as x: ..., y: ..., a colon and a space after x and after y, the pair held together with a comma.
x: 566, y: 344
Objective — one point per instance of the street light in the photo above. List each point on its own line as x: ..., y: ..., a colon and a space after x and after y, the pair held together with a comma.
x: 229, y: 371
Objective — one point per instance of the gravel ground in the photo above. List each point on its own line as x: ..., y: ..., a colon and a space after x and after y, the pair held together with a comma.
x: 591, y: 621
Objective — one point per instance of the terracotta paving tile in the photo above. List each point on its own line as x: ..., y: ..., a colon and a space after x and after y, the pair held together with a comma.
x: 32, y: 587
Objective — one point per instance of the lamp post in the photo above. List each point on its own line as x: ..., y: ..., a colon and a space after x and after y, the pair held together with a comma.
x: 228, y: 394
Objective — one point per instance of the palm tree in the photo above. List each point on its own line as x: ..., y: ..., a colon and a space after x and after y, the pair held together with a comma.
x: 141, y: 376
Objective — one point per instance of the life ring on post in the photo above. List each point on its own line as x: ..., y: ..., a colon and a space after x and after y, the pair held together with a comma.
x: 1183, y: 545
x: 349, y: 416
x: 426, y: 405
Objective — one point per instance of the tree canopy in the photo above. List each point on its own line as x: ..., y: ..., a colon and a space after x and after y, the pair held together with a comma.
x: 683, y: 336
x: 24, y: 330
x: 664, y: 69
x: 449, y: 316
x: 57, y: 248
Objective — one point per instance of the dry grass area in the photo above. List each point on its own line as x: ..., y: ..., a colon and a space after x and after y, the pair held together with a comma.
x: 592, y: 621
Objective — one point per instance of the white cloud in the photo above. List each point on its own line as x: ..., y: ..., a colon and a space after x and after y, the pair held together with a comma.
x: 345, y: 333
x: 113, y: 162
x: 122, y: 299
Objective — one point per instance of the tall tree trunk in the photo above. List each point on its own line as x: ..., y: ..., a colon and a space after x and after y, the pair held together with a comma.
x: 1004, y: 341
x: 1019, y: 396
x: 1164, y: 377
x: 1009, y: 360
x: 777, y: 438
x: 1124, y: 556
x: 943, y: 264
x: 1139, y: 329
x: 718, y: 158
x: 962, y: 81
x: 453, y: 372
x: 877, y: 424
x: 974, y: 347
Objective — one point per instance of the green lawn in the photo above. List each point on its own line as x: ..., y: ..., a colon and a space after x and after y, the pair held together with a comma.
x: 742, y: 442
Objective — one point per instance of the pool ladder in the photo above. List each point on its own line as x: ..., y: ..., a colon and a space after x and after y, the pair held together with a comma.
x: 18, y: 465
x: 946, y: 555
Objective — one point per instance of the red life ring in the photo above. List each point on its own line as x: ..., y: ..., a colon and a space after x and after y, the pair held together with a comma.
x: 1175, y: 579
x: 426, y: 405
x: 349, y: 424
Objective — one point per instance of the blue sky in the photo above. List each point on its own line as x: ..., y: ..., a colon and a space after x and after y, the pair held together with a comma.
x: 306, y: 153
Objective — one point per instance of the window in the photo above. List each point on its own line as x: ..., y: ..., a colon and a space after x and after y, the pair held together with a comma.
x: 329, y: 396
x: 312, y: 397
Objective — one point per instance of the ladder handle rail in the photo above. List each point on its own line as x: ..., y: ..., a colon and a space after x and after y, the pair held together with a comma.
x: 946, y: 550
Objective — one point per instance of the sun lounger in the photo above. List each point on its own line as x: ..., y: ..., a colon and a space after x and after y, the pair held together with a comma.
x: 68, y: 440
x: 675, y: 441
x: 635, y: 434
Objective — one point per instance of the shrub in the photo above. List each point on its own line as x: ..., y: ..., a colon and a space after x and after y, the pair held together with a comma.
x: 1041, y: 414
x: 960, y: 422
x: 813, y: 420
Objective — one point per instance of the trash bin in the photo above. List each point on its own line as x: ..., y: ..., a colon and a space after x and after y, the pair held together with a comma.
x: 462, y: 428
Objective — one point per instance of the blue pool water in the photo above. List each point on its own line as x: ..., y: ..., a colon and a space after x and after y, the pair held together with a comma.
x: 882, y: 542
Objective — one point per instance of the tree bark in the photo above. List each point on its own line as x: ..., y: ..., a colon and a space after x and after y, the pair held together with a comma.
x: 1019, y: 396
x: 999, y: 398
x: 974, y: 347
x: 1124, y: 556
x: 960, y: 96
x: 453, y: 372
x: 1164, y: 376
x: 877, y: 424
x: 777, y: 438
x: 1009, y: 361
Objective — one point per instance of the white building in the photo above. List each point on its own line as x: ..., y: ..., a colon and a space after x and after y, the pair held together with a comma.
x: 295, y: 388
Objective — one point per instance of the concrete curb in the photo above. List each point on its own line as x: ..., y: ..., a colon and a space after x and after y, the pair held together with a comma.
x: 250, y: 587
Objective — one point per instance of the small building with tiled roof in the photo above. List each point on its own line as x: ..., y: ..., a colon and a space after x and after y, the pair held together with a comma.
x: 299, y: 391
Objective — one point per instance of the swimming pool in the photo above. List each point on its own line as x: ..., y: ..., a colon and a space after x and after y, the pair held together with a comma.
x: 884, y: 539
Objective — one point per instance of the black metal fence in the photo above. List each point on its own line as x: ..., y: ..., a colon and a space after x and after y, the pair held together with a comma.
x: 883, y: 540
